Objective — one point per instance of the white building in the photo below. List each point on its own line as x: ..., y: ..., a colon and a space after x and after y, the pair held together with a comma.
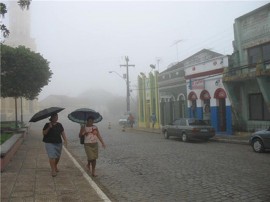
x: 207, y: 97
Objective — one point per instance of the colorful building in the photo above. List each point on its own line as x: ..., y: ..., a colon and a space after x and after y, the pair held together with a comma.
x: 193, y: 88
x: 148, y: 102
x: 207, y: 97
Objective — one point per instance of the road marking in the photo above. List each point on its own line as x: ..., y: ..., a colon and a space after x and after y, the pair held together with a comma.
x: 101, y: 194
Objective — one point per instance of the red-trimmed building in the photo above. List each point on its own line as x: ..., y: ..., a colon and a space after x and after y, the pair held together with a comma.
x: 207, y: 97
x: 193, y: 88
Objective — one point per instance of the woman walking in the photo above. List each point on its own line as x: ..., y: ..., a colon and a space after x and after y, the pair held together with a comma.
x: 53, y: 133
x: 91, y: 136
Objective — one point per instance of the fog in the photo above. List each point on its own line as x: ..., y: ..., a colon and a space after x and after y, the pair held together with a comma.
x: 84, y: 40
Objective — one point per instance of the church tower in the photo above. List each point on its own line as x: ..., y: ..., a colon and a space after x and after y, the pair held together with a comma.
x: 19, y: 26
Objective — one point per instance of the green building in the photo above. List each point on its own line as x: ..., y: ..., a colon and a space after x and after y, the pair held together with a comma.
x: 247, y: 79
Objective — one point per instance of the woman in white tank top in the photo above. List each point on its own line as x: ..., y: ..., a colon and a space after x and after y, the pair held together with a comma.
x: 91, y: 136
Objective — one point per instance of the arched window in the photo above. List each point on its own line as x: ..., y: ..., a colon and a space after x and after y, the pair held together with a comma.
x: 192, y: 96
x: 205, y: 95
x: 220, y: 94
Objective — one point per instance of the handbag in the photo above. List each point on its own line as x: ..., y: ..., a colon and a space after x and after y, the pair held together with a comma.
x: 82, y: 139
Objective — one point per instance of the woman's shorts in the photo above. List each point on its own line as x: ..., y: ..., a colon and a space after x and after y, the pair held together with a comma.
x: 53, y: 150
x: 91, y: 150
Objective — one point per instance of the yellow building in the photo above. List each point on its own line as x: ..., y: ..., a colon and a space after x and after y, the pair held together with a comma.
x: 148, y: 100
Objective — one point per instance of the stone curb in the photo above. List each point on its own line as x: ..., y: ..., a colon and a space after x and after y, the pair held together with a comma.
x: 215, y: 139
x: 9, y: 148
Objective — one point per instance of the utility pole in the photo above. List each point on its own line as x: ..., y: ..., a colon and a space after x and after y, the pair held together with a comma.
x: 128, y: 91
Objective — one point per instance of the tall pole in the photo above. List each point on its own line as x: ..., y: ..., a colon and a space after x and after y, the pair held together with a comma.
x: 21, y: 111
x: 128, y: 91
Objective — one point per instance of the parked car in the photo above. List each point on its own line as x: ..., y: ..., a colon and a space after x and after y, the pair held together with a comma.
x: 188, y: 129
x: 260, y: 140
x: 123, y: 121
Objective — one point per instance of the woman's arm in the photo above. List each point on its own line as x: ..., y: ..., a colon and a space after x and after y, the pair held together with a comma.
x: 45, y: 131
x: 63, y: 134
x: 100, y: 139
x: 82, y: 131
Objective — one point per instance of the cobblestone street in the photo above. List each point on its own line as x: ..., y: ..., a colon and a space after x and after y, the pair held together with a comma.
x: 139, y: 166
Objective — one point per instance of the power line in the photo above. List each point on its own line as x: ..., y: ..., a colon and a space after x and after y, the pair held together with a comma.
x: 231, y: 70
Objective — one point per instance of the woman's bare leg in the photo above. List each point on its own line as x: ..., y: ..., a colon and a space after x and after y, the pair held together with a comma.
x: 94, y: 162
x: 53, y: 166
x: 56, y: 162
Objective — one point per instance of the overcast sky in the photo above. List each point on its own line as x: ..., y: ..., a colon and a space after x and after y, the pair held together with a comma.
x: 84, y: 40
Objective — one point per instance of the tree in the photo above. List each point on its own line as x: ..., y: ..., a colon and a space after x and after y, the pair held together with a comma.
x: 23, y: 72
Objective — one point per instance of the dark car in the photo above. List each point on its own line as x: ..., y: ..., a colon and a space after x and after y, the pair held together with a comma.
x: 260, y: 140
x: 189, y: 129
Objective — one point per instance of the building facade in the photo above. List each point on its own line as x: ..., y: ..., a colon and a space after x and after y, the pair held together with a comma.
x: 207, y: 97
x: 172, y: 94
x: 193, y: 88
x: 247, y: 80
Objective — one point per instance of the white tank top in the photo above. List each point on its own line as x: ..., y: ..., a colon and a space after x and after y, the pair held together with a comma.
x: 92, y: 136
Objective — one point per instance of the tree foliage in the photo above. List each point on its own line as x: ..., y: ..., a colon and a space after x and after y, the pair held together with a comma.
x: 23, y: 72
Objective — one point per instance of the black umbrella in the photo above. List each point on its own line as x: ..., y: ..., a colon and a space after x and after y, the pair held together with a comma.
x: 45, y: 113
x: 80, y: 115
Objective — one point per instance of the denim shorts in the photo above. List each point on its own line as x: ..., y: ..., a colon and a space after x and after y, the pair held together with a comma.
x: 53, y: 150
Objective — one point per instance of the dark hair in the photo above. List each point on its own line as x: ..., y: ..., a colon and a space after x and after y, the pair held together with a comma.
x: 52, y: 116
x: 90, y: 117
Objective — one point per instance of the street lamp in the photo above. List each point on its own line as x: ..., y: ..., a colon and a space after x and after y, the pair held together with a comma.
x: 122, y: 77
x: 153, y: 66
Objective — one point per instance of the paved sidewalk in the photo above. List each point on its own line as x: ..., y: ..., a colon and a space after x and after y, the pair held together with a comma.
x: 27, y: 177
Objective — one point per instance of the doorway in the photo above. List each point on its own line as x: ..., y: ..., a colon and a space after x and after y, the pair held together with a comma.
x: 222, y: 114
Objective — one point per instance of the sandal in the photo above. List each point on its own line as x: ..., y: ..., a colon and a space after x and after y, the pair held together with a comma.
x: 88, y: 168
x: 54, y: 174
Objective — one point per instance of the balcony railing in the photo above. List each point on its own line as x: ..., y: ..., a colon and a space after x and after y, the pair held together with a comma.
x: 246, y: 72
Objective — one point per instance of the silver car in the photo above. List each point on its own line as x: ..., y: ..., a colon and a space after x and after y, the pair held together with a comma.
x: 260, y: 140
x: 188, y: 129
x: 123, y: 121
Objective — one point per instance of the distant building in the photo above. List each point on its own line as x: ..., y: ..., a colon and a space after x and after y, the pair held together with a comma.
x: 247, y: 80
x: 19, y: 26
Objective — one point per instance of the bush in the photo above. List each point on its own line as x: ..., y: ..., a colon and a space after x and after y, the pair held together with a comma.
x: 5, y: 136
x: 8, y: 128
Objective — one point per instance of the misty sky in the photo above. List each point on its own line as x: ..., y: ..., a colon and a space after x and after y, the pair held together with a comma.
x: 84, y: 40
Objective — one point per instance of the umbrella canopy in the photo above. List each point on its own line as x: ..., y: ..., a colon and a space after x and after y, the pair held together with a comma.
x: 45, y: 113
x: 80, y: 115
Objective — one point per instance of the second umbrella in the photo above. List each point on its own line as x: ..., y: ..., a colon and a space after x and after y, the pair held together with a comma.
x: 80, y: 115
